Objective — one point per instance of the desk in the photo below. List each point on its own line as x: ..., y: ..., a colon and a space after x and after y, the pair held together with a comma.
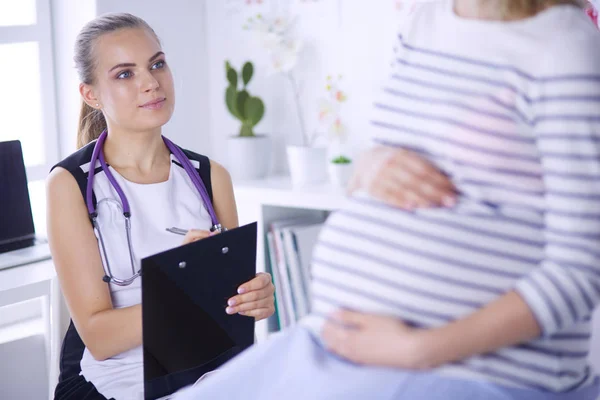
x: 38, y: 280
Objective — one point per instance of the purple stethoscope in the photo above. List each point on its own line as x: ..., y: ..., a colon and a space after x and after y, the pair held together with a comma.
x: 98, y: 154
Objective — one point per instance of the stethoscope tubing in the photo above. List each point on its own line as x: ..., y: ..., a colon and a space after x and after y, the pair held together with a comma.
x: 98, y: 155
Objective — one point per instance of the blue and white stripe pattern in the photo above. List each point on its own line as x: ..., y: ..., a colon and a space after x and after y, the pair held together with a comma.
x: 512, y: 113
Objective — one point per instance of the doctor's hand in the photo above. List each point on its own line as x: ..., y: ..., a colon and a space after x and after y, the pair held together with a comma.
x: 401, y: 178
x: 255, y: 299
x: 374, y: 340
x: 196, y: 234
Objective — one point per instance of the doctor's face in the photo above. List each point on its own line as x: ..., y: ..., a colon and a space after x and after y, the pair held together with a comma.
x: 133, y: 84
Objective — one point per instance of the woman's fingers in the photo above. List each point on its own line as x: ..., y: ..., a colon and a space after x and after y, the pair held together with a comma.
x: 256, y: 298
x: 195, y: 234
x: 405, y: 193
x: 265, y: 292
x: 259, y: 291
x: 422, y: 168
x: 408, y: 181
x: 419, y: 189
x: 259, y: 313
x: 252, y: 305
x: 261, y: 280
x: 391, y: 195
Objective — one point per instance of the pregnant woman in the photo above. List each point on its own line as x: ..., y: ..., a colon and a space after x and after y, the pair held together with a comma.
x: 490, y: 296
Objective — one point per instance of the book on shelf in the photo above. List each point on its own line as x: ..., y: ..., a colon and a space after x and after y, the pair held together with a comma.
x: 290, y: 244
x: 280, y: 314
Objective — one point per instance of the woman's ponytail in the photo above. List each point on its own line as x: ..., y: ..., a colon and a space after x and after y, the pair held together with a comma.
x: 91, y: 125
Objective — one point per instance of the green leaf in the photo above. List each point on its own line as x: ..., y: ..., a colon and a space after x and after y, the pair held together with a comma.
x: 254, y: 111
x: 341, y: 160
x: 240, y: 104
x: 231, y: 100
x: 247, y: 72
x: 232, y: 77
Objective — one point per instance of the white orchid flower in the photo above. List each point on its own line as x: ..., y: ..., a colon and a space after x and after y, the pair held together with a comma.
x: 337, y: 130
x: 328, y: 111
x: 285, y: 56
x: 269, y: 40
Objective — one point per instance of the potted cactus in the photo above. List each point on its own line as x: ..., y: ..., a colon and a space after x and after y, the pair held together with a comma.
x: 248, y: 152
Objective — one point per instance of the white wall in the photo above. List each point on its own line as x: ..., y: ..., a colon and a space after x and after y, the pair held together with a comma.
x: 352, y: 38
x: 68, y: 17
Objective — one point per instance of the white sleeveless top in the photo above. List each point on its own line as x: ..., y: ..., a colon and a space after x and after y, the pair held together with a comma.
x: 154, y: 207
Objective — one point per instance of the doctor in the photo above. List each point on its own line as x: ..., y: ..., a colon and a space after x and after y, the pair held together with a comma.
x: 140, y: 185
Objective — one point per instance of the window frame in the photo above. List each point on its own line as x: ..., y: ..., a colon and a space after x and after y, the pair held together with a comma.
x: 41, y: 32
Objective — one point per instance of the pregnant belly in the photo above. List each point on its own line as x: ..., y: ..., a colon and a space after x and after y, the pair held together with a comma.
x: 427, y: 267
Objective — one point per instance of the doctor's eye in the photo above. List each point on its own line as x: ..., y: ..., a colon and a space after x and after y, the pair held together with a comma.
x: 124, y: 75
x: 159, y: 64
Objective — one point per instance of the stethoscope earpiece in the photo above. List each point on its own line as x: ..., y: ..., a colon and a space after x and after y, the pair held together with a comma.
x: 106, y: 278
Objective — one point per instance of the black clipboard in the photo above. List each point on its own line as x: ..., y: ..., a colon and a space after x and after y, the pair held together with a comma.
x: 186, y: 331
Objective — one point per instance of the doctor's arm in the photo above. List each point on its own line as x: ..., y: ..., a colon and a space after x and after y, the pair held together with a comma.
x: 105, y: 331
x: 256, y: 297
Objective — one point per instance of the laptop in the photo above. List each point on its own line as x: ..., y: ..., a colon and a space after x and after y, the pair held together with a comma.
x: 19, y: 244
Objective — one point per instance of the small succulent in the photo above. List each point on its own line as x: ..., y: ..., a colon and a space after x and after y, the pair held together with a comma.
x: 248, y: 109
x: 341, y: 160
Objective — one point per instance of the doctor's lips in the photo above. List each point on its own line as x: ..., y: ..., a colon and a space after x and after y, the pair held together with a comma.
x: 154, y: 104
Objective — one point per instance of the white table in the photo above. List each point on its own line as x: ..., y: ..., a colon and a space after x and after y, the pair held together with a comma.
x: 38, y: 280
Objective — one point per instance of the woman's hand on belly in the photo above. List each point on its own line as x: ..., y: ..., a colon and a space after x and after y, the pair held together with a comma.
x: 255, y: 299
x: 373, y: 340
x: 402, y: 179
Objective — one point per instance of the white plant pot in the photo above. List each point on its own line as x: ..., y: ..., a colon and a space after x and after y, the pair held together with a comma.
x: 248, y: 157
x: 307, y: 165
x: 339, y: 174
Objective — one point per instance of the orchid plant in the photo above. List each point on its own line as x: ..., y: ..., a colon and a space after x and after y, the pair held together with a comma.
x: 283, y: 49
x: 330, y: 115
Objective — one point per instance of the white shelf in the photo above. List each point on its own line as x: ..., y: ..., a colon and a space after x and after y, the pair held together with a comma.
x: 275, y: 198
x: 279, y: 191
x: 22, y: 329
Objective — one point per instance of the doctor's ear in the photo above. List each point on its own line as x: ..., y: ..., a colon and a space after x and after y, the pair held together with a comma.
x: 88, y: 96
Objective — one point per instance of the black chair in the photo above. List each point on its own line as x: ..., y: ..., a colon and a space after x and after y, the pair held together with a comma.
x: 71, y: 385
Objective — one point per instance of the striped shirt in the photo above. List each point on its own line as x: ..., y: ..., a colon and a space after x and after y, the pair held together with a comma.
x: 511, y: 112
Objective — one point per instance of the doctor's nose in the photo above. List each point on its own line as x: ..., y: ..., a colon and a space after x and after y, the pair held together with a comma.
x: 150, y: 83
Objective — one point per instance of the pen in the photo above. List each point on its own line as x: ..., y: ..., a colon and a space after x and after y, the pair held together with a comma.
x: 177, y: 231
